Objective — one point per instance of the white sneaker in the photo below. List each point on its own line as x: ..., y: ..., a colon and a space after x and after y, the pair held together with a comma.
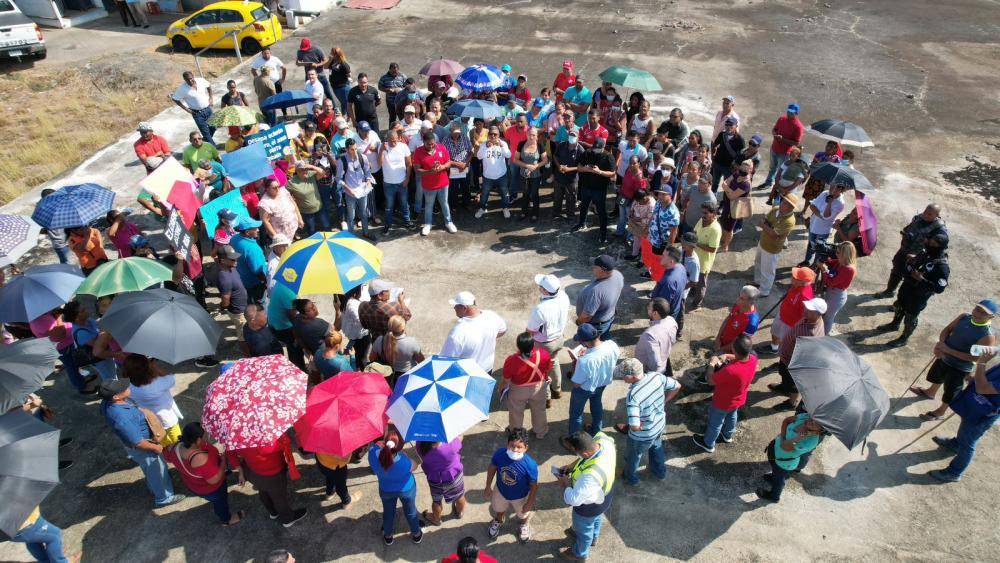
x: 425, y: 230
x: 506, y: 214
x: 451, y: 228
x: 343, y: 225
x: 480, y: 212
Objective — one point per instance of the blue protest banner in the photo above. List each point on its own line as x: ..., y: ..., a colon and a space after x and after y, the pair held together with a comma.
x: 275, y: 140
x: 231, y: 200
x: 247, y: 164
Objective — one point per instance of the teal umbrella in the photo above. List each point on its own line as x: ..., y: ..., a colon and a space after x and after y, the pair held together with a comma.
x: 631, y: 78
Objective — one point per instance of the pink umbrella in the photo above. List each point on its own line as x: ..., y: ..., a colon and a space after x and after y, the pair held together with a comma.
x: 344, y: 413
x: 867, y: 223
x: 254, y: 401
x: 442, y: 67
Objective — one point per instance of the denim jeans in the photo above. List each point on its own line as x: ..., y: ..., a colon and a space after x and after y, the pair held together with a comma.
x: 441, y: 197
x: 604, y: 328
x: 964, y: 444
x: 578, y: 399
x: 327, y: 90
x: 409, y: 500
x: 42, y: 540
x: 633, y: 456
x: 357, y: 206
x: 718, y: 171
x: 395, y: 193
x: 72, y: 372
x: 157, y: 477
x: 330, y: 212
x: 488, y: 185
x: 62, y: 253
x: 587, y: 529
x: 599, y: 198
x: 719, y: 422
x: 776, y: 161
x: 811, y: 246
x: 312, y: 222
x: 623, y: 216
x: 201, y: 122
x: 220, y: 502
x: 341, y: 94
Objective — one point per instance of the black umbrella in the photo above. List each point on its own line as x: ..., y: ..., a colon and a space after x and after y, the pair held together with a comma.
x: 24, y: 365
x: 161, y: 324
x: 839, y: 390
x: 841, y: 175
x: 29, y: 467
x: 844, y: 132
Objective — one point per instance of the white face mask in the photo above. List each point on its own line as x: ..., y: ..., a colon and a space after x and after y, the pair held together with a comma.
x: 515, y: 456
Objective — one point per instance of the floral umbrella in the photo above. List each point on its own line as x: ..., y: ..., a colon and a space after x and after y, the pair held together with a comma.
x: 254, y: 401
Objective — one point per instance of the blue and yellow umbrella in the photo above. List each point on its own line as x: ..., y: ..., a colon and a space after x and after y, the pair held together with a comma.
x: 328, y: 263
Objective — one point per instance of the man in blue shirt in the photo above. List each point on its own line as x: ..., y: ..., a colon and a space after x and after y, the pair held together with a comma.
x: 671, y: 286
x: 594, y: 369
x: 129, y: 424
x: 579, y: 98
x: 279, y: 318
x: 251, y: 265
x: 517, y: 483
x: 645, y: 409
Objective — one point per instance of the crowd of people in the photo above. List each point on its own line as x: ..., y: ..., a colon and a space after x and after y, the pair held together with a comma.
x: 679, y: 198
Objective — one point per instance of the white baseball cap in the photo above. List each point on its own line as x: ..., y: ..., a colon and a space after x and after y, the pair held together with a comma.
x: 464, y: 298
x: 409, y: 109
x: 426, y: 125
x: 548, y: 282
x: 816, y: 304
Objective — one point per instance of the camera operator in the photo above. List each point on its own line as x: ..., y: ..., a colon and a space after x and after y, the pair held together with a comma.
x: 927, y: 274
x: 921, y: 227
x: 825, y: 209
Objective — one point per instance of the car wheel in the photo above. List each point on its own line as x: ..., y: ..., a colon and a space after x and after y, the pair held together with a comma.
x: 180, y: 44
x: 249, y: 46
x: 42, y: 55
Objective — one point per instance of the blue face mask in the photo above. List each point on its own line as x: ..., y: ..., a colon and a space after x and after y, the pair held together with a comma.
x: 411, y: 96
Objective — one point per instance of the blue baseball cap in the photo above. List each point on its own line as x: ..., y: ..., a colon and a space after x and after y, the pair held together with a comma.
x: 989, y: 306
x: 246, y: 223
x: 793, y: 108
x: 757, y: 139
x: 227, y: 215
x: 586, y: 333
x: 364, y: 126
x: 505, y: 68
x: 539, y: 103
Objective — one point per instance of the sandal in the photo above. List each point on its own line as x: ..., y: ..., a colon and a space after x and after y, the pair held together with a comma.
x: 239, y: 518
x: 921, y: 391
x: 929, y: 415
x: 426, y: 516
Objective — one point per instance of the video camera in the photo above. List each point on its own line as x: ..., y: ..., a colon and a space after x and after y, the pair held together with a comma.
x: 824, y: 251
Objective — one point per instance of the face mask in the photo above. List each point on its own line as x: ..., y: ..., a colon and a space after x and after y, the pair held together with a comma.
x: 572, y: 140
x: 515, y: 456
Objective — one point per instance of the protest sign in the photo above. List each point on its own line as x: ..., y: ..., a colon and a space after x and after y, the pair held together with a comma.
x: 231, y: 200
x: 275, y: 140
x: 177, y: 234
x: 161, y: 181
x: 183, y: 198
x: 246, y: 165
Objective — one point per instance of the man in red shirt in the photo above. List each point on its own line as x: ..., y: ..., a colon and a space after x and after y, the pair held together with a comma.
x: 592, y: 130
x: 792, y: 308
x: 525, y: 380
x: 788, y: 131
x: 742, y: 319
x: 515, y: 135
x: 564, y: 80
x: 731, y: 375
x: 151, y: 148
x: 433, y: 162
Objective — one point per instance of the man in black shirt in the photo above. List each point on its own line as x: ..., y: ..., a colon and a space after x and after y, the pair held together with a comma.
x: 565, y: 158
x: 726, y: 150
x: 362, y: 103
x: 596, y: 171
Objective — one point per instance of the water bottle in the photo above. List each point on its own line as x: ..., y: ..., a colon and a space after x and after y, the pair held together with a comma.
x: 978, y: 349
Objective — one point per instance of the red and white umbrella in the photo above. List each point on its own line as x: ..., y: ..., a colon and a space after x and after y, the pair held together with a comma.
x: 254, y: 401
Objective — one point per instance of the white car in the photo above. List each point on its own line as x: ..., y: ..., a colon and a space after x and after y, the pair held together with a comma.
x: 19, y: 36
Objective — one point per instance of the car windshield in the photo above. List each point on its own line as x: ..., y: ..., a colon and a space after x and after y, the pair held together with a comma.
x: 6, y: 6
x: 259, y: 14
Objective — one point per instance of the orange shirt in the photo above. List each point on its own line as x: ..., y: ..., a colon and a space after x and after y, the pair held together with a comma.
x: 93, y: 249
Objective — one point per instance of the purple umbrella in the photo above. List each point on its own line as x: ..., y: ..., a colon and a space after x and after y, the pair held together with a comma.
x: 18, y: 234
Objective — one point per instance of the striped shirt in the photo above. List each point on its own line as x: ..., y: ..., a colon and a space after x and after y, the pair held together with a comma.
x: 801, y: 328
x: 644, y: 405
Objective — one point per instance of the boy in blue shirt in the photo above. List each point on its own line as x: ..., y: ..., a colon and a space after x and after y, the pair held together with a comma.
x: 517, y: 483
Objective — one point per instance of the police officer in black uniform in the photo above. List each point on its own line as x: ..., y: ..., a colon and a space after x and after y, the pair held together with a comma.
x: 927, y: 274
x: 922, y: 226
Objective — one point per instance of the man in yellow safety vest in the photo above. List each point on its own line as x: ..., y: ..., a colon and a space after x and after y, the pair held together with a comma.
x: 587, y: 487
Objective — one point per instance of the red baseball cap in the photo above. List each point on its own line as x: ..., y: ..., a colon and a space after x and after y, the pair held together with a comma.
x: 305, y: 45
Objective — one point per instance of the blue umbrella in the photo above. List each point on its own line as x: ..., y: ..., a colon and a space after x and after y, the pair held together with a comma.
x: 73, y: 206
x: 440, y: 398
x: 37, y: 291
x: 841, y: 175
x: 287, y: 99
x: 483, y: 109
x: 480, y: 78
x: 18, y: 234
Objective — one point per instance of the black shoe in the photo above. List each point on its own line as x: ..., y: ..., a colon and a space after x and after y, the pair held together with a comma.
x: 885, y: 293
x: 765, y: 350
x: 802, y: 264
x: 206, y: 362
x: 631, y: 257
x: 65, y: 442
x: 385, y: 230
x: 887, y: 327
x: 65, y: 464
x: 296, y: 516
x: 603, y: 240
x: 901, y: 341
x: 700, y: 442
x: 387, y: 540
x: 779, y: 388
x: 417, y: 538
x: 575, y: 228
x: 766, y: 495
x: 784, y: 406
x: 645, y: 274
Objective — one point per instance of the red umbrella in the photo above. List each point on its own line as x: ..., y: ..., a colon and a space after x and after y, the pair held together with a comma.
x: 254, y: 401
x: 344, y: 413
x: 442, y: 67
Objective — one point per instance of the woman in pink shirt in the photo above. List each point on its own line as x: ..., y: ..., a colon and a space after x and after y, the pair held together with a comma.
x: 51, y: 325
x: 120, y: 231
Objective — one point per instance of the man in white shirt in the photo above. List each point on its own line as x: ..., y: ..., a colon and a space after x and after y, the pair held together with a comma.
x: 278, y: 69
x: 369, y: 145
x: 314, y: 88
x: 394, y: 158
x: 825, y: 209
x: 494, y: 154
x: 546, y: 324
x: 195, y: 97
x: 475, y: 334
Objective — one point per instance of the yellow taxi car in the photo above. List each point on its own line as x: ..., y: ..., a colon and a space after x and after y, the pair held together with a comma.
x: 257, y: 27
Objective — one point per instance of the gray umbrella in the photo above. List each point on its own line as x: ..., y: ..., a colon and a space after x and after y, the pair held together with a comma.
x: 840, y: 390
x: 24, y: 365
x: 29, y: 466
x: 161, y: 324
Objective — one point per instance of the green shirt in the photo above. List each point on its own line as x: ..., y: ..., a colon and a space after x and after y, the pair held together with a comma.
x: 192, y: 155
x: 306, y: 193
x: 782, y: 225
x: 789, y: 460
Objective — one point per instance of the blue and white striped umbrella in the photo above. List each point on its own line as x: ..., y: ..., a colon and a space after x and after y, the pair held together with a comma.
x: 440, y: 398
x: 480, y: 78
x: 73, y: 206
